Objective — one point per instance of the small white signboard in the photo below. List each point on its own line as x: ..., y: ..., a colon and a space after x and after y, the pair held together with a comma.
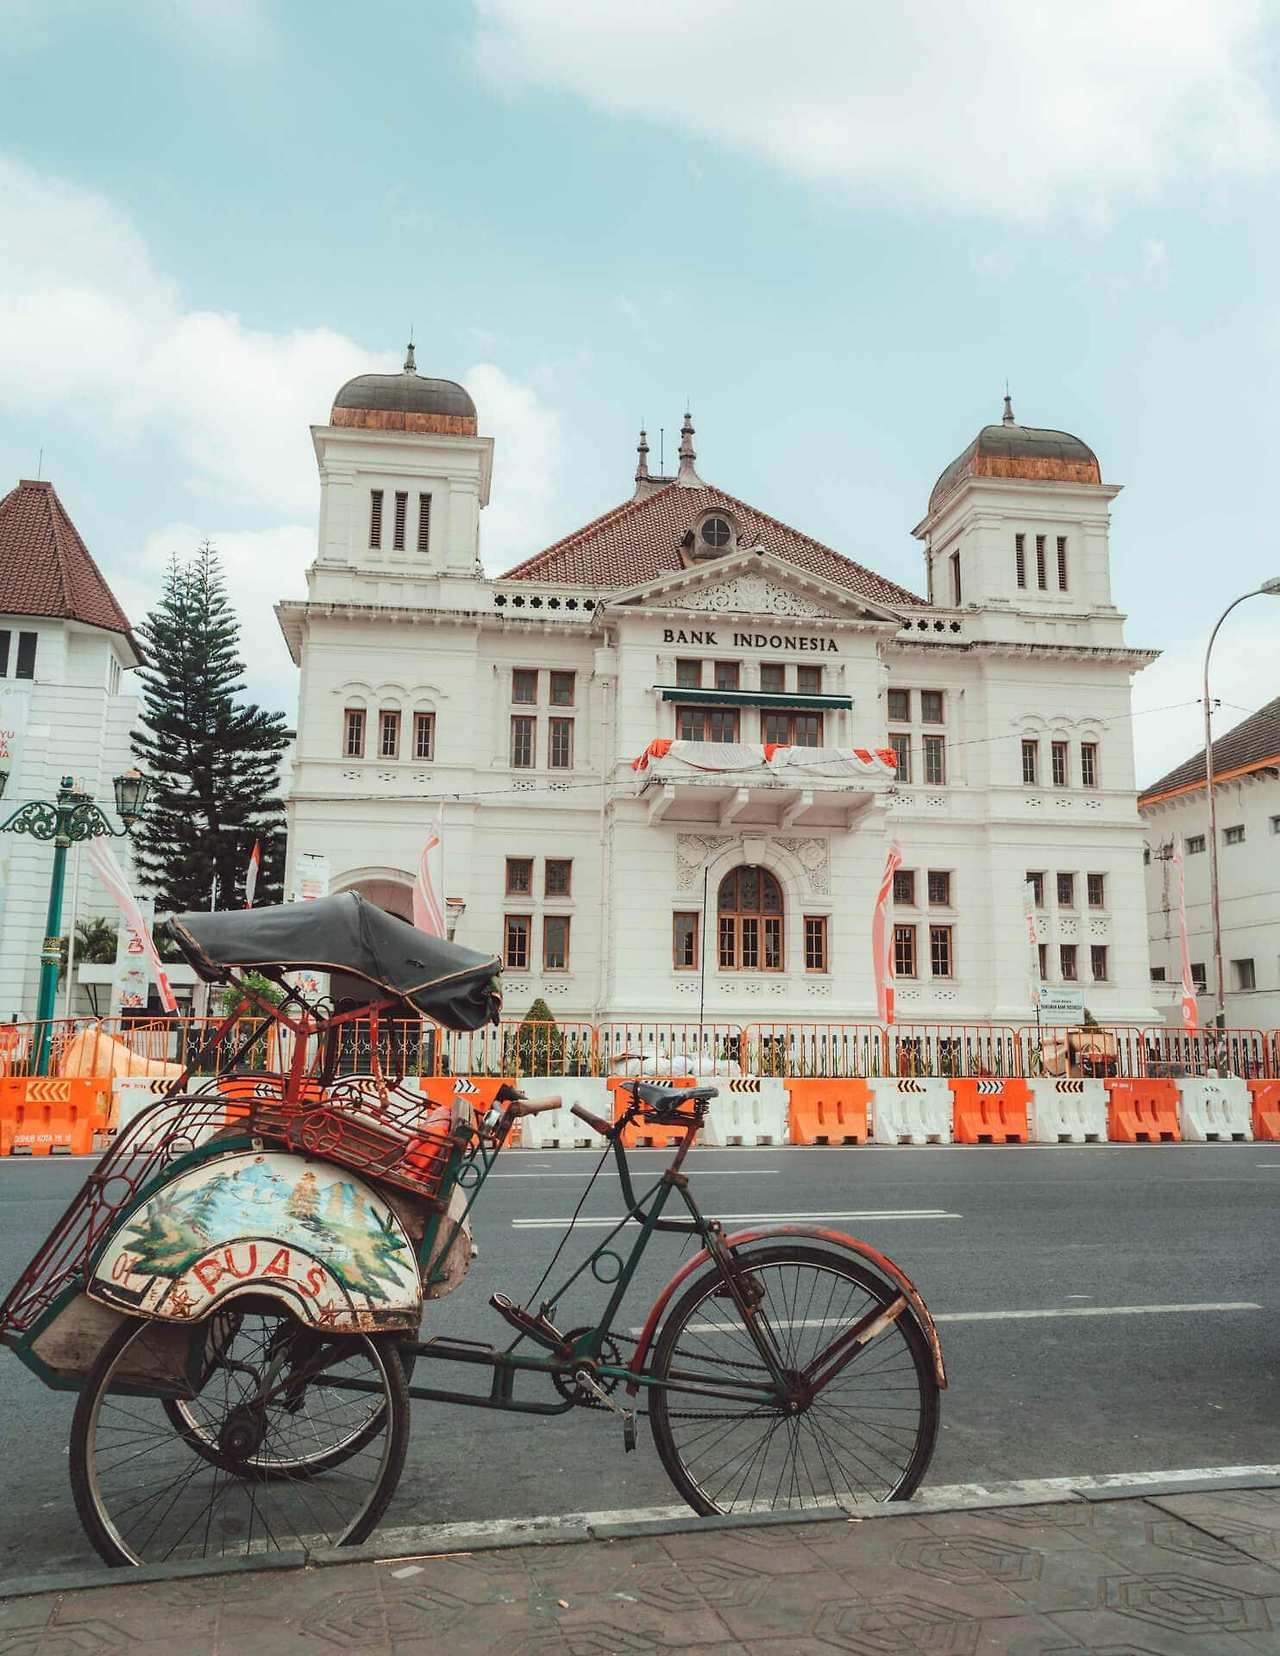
x: 1060, y: 1005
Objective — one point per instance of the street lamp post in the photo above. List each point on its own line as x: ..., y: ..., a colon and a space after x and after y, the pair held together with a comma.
x: 1270, y: 589
x: 69, y: 820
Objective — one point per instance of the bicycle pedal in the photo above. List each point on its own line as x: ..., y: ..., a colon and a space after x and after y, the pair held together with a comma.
x: 535, y: 1325
x: 590, y: 1385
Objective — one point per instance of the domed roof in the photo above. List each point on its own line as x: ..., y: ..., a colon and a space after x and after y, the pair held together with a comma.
x: 407, y: 401
x: 1013, y: 450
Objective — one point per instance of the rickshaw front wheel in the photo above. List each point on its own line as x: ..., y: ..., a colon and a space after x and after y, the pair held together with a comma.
x: 259, y: 1406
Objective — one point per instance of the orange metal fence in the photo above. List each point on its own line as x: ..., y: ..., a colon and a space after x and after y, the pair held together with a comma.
x: 1135, y: 1052
x: 160, y: 1047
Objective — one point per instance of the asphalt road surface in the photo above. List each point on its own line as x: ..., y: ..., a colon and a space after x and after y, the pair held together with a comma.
x: 1158, y: 1266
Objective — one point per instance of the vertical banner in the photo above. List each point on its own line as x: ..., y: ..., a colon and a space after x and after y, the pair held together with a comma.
x: 310, y: 876
x: 135, y: 951
x: 428, y: 907
x: 1190, y: 1011
x: 251, y: 874
x: 15, y: 703
x: 882, y: 936
x: 1033, y: 945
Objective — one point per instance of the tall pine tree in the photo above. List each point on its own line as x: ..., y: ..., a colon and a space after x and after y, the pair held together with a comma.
x: 214, y: 758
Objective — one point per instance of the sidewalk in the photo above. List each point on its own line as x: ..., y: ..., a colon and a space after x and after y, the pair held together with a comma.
x: 1191, y: 1573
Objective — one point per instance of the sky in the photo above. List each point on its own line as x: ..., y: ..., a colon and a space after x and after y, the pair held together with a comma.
x: 836, y: 228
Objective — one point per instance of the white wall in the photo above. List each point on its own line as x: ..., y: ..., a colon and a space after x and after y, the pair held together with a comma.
x: 1249, y: 876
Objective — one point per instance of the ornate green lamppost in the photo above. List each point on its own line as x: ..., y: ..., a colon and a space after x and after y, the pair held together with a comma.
x: 69, y: 820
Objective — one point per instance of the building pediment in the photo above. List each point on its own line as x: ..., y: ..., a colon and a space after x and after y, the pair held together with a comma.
x: 751, y: 585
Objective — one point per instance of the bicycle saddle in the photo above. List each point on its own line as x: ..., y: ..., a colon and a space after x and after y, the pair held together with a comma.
x: 655, y: 1097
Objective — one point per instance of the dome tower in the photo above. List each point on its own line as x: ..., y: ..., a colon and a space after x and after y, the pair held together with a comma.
x: 403, y: 476
x: 1019, y: 521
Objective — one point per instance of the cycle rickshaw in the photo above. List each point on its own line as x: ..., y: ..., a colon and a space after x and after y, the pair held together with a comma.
x: 238, y: 1289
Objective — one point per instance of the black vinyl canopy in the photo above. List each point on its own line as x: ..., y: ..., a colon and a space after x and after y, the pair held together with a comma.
x: 458, y: 987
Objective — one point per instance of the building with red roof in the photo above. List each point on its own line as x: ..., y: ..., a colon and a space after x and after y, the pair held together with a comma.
x: 672, y: 747
x: 66, y: 709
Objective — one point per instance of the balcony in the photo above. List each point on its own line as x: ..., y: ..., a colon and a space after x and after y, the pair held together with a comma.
x: 773, y: 786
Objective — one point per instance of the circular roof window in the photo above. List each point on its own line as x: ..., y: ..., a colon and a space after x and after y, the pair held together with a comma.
x: 716, y: 532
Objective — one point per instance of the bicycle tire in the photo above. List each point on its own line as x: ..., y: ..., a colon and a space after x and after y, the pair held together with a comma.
x: 312, y: 1465
x: 826, y: 1435
x: 95, y: 1510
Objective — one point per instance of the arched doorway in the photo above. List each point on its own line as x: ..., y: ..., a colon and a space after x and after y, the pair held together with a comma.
x: 749, y: 921
x: 404, y: 1046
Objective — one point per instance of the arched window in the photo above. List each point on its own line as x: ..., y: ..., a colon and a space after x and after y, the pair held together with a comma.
x: 749, y: 920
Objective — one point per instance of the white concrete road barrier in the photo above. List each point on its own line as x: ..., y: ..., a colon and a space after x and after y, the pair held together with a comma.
x: 1067, y: 1112
x: 750, y: 1109
x: 1214, y: 1110
x: 560, y: 1129
x: 914, y: 1110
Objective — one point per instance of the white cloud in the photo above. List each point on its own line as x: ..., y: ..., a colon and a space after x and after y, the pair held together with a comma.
x: 520, y: 517
x: 1008, y: 107
x: 92, y: 334
x: 1169, y: 724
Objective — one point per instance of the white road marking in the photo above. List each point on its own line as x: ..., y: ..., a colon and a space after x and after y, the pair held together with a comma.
x: 437, y: 1538
x: 703, y: 1173
x: 750, y: 1218
x: 1017, y: 1316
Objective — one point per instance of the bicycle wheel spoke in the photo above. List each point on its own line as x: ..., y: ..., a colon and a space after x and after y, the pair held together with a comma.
x: 867, y: 1431
x: 237, y: 1468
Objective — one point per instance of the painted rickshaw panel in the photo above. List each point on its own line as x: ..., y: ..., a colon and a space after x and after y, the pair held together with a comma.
x: 312, y: 1234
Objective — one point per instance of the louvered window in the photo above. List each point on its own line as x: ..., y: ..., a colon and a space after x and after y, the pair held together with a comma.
x: 397, y: 534
x: 424, y: 522
x: 1062, y: 563
x: 375, y: 517
x: 1042, y: 569
x: 1020, y: 558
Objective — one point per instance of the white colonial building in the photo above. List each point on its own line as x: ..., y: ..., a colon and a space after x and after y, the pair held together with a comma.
x: 686, y: 615
x: 1175, y: 811
x: 67, y: 708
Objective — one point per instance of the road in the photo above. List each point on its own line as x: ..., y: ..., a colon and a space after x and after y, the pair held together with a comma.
x: 1090, y: 1234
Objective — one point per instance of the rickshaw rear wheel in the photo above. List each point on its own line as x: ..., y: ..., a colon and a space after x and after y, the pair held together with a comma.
x: 212, y: 1448
x: 174, y: 1457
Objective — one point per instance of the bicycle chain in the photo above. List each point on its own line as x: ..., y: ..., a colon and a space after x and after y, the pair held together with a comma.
x: 672, y: 1414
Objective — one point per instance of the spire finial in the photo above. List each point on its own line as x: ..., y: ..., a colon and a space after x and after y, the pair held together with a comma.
x: 642, y: 449
x: 1008, y: 407
x: 687, y: 474
x: 410, y: 365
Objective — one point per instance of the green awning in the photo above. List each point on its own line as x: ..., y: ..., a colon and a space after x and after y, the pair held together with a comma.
x: 751, y: 698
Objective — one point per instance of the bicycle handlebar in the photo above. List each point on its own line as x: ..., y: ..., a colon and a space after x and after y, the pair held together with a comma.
x: 597, y: 1123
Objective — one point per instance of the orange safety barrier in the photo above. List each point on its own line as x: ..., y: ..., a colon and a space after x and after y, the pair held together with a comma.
x: 48, y: 1115
x: 645, y: 1134
x: 988, y: 1111
x: 482, y: 1090
x: 827, y: 1111
x: 1266, y: 1109
x: 1143, y: 1111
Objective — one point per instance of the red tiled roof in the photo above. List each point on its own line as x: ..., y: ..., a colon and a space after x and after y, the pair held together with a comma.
x: 639, y: 541
x: 1254, y: 744
x: 45, y: 568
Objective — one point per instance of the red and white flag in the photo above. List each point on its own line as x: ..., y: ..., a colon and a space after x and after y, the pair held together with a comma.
x: 882, y: 935
x: 1190, y: 1011
x: 102, y: 859
x: 428, y: 905
x: 251, y: 874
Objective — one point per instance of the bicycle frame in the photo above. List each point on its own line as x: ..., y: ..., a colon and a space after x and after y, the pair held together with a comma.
x: 647, y: 1210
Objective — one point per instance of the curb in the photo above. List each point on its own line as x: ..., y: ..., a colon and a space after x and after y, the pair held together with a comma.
x: 446, y: 1540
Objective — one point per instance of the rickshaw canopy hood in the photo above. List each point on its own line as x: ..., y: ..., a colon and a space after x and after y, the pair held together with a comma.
x: 458, y: 987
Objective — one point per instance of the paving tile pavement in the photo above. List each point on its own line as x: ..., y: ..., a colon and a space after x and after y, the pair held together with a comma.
x: 1180, y: 1575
